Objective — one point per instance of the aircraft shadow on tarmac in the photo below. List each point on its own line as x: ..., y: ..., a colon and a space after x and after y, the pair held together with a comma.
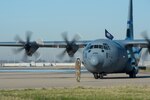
x: 37, y: 77
x: 138, y: 77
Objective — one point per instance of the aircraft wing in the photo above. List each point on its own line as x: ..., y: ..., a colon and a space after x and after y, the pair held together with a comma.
x: 61, y: 44
x: 46, y: 44
x: 81, y: 44
x: 135, y: 43
x: 11, y: 44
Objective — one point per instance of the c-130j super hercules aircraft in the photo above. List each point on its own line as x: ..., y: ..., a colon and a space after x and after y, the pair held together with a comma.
x: 101, y: 56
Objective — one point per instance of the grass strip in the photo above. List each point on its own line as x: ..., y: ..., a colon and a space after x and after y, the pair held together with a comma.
x: 79, y: 93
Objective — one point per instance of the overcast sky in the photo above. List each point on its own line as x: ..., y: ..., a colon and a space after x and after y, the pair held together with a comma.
x: 47, y: 19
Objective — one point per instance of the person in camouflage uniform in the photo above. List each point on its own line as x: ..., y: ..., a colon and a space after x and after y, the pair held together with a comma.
x: 78, y: 69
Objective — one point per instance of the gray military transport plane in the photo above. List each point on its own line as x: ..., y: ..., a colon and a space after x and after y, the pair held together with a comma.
x: 101, y: 56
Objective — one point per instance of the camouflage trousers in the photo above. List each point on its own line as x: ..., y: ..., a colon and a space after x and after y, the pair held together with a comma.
x: 78, y: 75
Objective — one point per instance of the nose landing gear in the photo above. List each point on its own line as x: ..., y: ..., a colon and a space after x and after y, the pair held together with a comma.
x: 98, y: 75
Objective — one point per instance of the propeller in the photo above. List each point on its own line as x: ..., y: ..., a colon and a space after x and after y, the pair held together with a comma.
x: 147, y: 51
x: 29, y: 47
x: 71, y: 46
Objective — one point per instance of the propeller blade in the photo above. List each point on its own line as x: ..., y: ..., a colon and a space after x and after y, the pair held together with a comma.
x: 61, y: 55
x: 72, y: 59
x: 65, y: 37
x: 28, y: 36
x: 25, y: 57
x: 145, y: 36
x: 18, y: 50
x: 39, y: 41
x: 37, y: 55
x: 18, y: 39
x: 75, y: 39
x: 145, y: 54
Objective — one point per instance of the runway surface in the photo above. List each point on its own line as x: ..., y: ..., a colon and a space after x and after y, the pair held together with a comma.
x: 38, y: 78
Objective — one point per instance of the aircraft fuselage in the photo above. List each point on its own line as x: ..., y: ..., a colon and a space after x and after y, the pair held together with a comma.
x: 105, y: 56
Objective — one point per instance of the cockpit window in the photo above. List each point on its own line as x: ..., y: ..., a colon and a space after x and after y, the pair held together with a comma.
x: 104, y: 46
x: 100, y: 46
x: 92, y: 46
x: 95, y: 46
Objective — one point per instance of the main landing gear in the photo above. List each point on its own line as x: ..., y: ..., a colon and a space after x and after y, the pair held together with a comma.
x: 96, y: 75
x: 133, y: 73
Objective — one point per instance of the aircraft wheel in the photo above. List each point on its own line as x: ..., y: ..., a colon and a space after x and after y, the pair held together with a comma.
x: 101, y: 76
x: 133, y: 73
x: 96, y: 76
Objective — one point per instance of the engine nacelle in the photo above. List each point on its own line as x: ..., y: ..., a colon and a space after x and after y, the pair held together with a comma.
x: 31, y: 48
x: 72, y: 49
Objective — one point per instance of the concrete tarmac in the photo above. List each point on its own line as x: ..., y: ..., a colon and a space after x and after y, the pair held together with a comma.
x: 21, y: 80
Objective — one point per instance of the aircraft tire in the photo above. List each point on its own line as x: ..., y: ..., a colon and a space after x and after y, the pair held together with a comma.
x: 96, y: 76
x: 101, y: 76
x: 133, y: 73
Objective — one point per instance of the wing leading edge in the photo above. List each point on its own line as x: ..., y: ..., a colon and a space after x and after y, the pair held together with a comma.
x: 46, y: 44
x: 81, y: 44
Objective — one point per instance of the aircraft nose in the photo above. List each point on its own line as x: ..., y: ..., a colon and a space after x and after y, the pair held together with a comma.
x: 96, y: 60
